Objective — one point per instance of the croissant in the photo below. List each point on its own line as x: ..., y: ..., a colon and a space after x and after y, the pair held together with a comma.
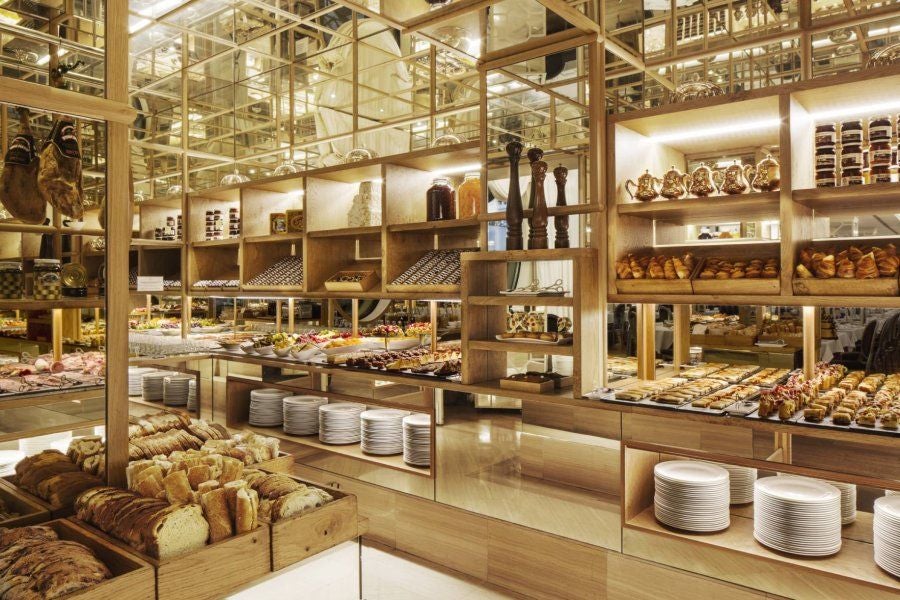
x: 866, y: 268
x: 825, y: 269
x: 623, y: 270
x: 636, y: 270
x: 803, y: 272
x: 806, y: 258
x: 680, y: 269
x: 738, y: 274
x: 846, y: 268
x: 854, y: 253
x: 887, y: 264
x: 891, y: 250
x: 655, y: 271
x: 689, y: 260
x: 669, y: 269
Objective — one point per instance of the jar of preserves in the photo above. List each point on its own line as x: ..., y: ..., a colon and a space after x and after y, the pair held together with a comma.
x: 852, y: 177
x: 826, y: 178
x: 440, y: 201
x: 852, y: 157
x: 879, y: 174
x: 468, y: 196
x: 47, y: 280
x: 880, y: 154
x: 12, y: 280
x: 825, y: 135
x: 880, y: 129
x: 852, y: 133
x: 825, y: 158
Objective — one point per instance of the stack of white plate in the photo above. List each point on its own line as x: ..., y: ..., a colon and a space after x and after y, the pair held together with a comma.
x: 265, y: 407
x: 175, y: 389
x: 848, y: 501
x: 886, y: 526
x: 417, y: 440
x: 381, y: 431
x: 135, y: 381
x: 797, y: 515
x: 692, y: 495
x: 192, y: 395
x: 152, y: 385
x: 301, y: 414
x: 741, y: 480
x: 339, y: 422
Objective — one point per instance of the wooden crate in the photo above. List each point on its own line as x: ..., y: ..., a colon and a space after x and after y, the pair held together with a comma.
x: 654, y: 286
x: 792, y: 341
x: 527, y: 386
x: 737, y: 286
x: 30, y: 511
x: 369, y: 280
x: 211, y: 572
x: 883, y: 286
x: 56, y: 512
x: 132, y: 578
x: 305, y: 535
x: 280, y: 464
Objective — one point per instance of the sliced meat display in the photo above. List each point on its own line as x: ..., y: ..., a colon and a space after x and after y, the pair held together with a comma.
x: 18, y: 183
x: 59, y: 178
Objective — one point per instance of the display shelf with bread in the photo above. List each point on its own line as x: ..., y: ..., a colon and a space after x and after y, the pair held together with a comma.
x: 864, y: 270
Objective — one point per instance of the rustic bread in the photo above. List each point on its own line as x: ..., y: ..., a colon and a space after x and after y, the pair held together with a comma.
x: 215, y: 509
x: 299, y: 502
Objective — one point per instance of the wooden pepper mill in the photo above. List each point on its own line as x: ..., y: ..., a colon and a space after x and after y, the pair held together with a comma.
x: 534, y: 155
x: 561, y: 222
x: 537, y: 231
x: 514, y: 212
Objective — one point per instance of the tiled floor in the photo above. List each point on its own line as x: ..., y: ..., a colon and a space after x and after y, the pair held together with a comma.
x: 386, y: 575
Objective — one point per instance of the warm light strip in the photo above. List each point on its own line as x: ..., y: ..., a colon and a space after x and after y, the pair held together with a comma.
x: 709, y: 132
x: 459, y: 169
x: 858, y: 109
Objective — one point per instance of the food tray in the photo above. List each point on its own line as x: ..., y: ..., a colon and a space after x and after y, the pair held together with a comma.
x: 735, y: 382
x: 753, y: 400
x: 566, y: 341
x: 654, y: 286
x: 883, y: 286
x: 826, y: 423
x: 280, y: 464
x: 780, y: 380
x: 734, y: 286
x: 56, y: 512
x: 527, y: 386
x: 30, y: 511
x: 368, y: 281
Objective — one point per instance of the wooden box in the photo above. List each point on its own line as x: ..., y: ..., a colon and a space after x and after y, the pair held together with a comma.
x: 30, y: 510
x: 883, y: 286
x: 792, y: 341
x: 527, y: 386
x: 132, y: 578
x: 280, y: 464
x: 305, y: 535
x: 368, y: 281
x: 56, y: 512
x: 654, y: 286
x: 212, y: 572
x: 737, y: 286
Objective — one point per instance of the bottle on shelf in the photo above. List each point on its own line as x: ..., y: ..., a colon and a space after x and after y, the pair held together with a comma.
x: 440, y: 201
x: 469, y: 196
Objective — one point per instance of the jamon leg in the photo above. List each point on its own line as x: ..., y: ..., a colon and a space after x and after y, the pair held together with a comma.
x: 18, y: 183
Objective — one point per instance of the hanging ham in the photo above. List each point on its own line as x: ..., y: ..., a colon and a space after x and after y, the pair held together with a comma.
x: 18, y: 184
x: 59, y: 178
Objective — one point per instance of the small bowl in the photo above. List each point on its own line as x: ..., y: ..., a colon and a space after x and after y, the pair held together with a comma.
x: 307, y: 354
x: 266, y: 350
x: 282, y: 352
x: 248, y: 348
x: 231, y: 346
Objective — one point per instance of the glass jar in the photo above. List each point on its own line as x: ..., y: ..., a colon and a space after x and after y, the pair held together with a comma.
x: 469, y: 196
x: 47, y: 280
x: 825, y: 158
x: 440, y: 201
x: 880, y: 129
x: 852, y: 177
x: 826, y: 178
x: 880, y: 174
x: 825, y: 135
x: 881, y: 154
x: 12, y: 280
x: 852, y: 133
x: 852, y: 157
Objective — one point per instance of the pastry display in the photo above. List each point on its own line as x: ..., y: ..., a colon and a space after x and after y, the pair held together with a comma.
x: 703, y: 370
x: 287, y: 271
x: 688, y: 391
x: 644, y: 389
x: 655, y: 267
x: 37, y: 564
x: 54, y: 477
x: 537, y: 336
x: 767, y: 377
x: 437, y: 267
x: 784, y: 401
x: 724, y: 398
x: 735, y: 373
x: 755, y: 268
x: 443, y: 362
x: 43, y: 373
x: 867, y: 262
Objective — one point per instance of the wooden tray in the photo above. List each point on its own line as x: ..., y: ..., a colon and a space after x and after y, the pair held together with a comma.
x: 722, y: 341
x: 527, y: 386
x: 280, y: 464
x: 212, y: 572
x: 30, y: 511
x: 370, y: 278
x: 883, y: 286
x: 654, y: 286
x: 305, y: 535
x: 737, y: 286
x: 791, y: 341
x: 56, y: 512
x: 132, y: 577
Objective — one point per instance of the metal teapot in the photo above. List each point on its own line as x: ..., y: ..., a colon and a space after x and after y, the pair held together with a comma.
x: 733, y: 178
x: 701, y: 182
x: 674, y: 184
x: 766, y: 176
x: 645, y: 188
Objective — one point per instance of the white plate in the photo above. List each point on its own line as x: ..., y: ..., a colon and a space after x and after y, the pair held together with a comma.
x: 690, y: 472
x: 797, y: 490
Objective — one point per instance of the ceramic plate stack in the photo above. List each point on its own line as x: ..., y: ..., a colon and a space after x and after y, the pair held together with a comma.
x: 301, y: 414
x: 135, y: 381
x: 797, y: 515
x: 381, y: 431
x: 175, y: 389
x: 265, y: 407
x: 417, y: 440
x: 192, y: 395
x: 339, y: 422
x: 886, y: 526
x: 848, y: 501
x: 152, y: 385
x: 741, y: 480
x: 692, y: 495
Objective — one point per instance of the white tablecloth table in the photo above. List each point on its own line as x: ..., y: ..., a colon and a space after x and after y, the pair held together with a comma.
x: 828, y: 348
x: 664, y: 338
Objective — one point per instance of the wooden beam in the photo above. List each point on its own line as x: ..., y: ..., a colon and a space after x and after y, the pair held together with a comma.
x: 45, y: 98
x: 646, y: 341
x: 810, y: 352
